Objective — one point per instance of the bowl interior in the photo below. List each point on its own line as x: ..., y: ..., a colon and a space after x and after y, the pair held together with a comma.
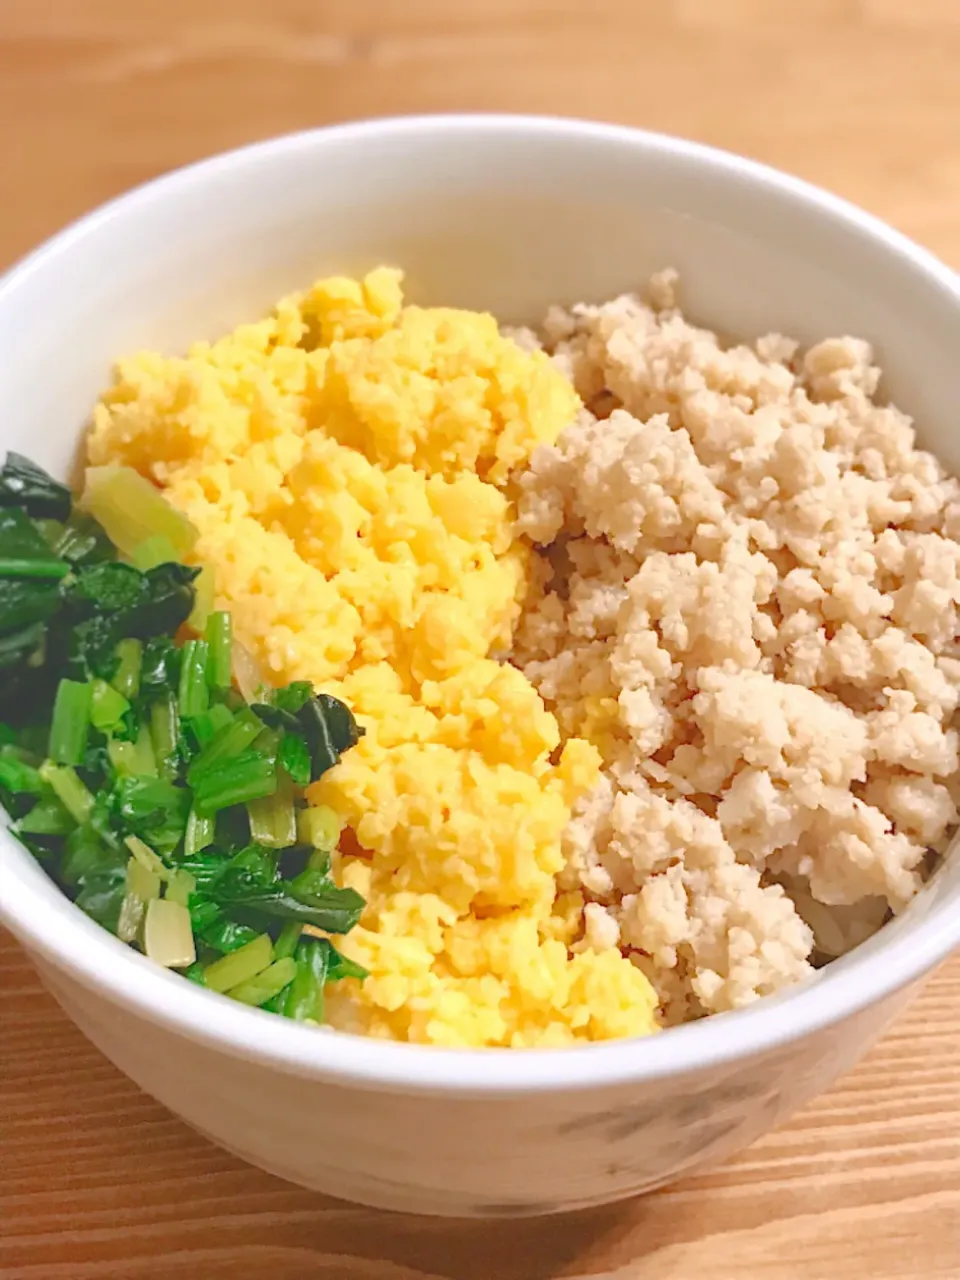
x: 499, y: 214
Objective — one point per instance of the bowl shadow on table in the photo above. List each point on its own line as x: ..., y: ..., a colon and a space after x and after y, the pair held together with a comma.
x: 522, y: 1249
x: 335, y: 1240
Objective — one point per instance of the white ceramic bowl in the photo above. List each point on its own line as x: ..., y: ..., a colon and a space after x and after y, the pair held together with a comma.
x: 507, y: 214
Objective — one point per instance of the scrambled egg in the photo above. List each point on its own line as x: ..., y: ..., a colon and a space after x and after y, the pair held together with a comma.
x: 348, y: 464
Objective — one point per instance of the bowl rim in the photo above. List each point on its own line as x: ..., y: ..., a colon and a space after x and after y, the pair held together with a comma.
x: 82, y: 950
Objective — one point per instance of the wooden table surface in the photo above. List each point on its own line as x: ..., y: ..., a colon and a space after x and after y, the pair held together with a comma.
x: 862, y: 96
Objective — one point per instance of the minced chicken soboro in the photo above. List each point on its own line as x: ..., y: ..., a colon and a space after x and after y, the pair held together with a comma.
x: 654, y: 641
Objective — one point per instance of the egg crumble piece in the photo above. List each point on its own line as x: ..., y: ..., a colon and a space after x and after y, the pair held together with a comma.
x: 350, y: 465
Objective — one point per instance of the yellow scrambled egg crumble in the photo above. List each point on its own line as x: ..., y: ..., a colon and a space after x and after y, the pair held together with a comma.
x: 347, y: 463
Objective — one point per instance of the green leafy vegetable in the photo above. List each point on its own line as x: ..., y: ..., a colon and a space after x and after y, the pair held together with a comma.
x: 32, y: 595
x: 335, y: 911
x: 23, y: 645
x: 113, y: 588
x: 131, y: 510
x: 341, y: 967
x: 158, y: 549
x: 249, y: 886
x: 164, y: 805
x: 13, y: 568
x: 240, y: 965
x: 18, y: 778
x: 160, y: 666
x: 108, y: 709
x: 292, y: 697
x: 23, y: 604
x: 330, y: 730
x: 126, y: 676
x: 71, y: 722
x: 286, y: 943
x: 199, y: 833
x: 165, y: 735
x: 294, y: 757
x: 322, y: 724
x: 246, y: 777
x: 273, y: 818
x: 224, y: 935
x: 320, y: 828
x: 152, y: 808
x: 81, y: 541
x: 101, y: 896
x: 70, y: 790
x: 133, y: 759
x: 305, y: 996
x: 167, y: 935
x: 194, y: 693
x: 48, y: 817
x: 227, y: 743
x: 168, y: 600
x: 135, y: 604
x: 266, y: 985
x: 24, y: 484
x: 219, y: 636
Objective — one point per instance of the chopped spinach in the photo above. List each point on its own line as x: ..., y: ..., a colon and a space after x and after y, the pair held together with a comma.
x: 152, y: 755
x: 24, y: 484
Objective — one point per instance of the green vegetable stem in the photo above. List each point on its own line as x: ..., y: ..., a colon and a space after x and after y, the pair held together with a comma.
x: 164, y: 805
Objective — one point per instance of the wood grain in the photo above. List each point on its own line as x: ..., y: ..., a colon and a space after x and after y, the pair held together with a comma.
x: 98, y: 1181
x: 860, y: 95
